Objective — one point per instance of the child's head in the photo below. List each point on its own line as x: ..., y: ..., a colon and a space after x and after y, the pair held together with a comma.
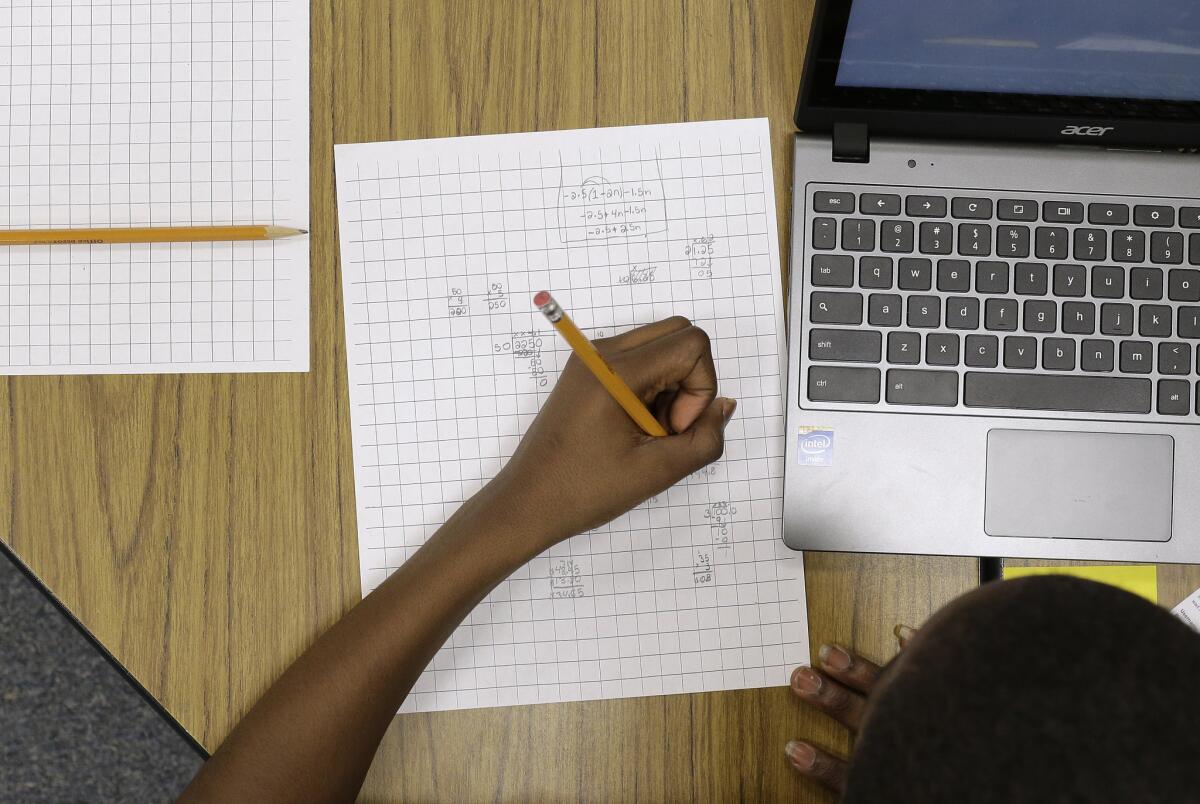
x: 1044, y: 689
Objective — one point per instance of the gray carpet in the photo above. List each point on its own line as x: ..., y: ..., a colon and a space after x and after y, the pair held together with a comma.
x: 71, y: 727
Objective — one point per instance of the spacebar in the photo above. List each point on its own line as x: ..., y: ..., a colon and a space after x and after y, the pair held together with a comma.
x: 1056, y: 392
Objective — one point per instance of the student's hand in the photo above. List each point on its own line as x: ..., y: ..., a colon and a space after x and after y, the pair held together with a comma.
x: 584, y: 461
x: 839, y: 687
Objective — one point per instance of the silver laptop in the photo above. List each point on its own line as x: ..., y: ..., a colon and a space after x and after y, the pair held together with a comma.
x: 995, y: 281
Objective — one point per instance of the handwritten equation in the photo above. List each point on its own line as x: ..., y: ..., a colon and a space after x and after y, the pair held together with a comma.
x: 597, y: 209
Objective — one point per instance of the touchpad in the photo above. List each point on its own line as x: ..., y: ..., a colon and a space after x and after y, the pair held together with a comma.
x: 1069, y: 485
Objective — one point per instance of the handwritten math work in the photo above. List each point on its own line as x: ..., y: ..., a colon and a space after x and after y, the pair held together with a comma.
x: 443, y: 244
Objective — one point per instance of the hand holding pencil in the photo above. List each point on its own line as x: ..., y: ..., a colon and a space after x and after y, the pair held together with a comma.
x: 584, y: 460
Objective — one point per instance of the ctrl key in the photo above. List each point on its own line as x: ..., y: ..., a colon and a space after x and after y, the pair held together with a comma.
x: 838, y: 384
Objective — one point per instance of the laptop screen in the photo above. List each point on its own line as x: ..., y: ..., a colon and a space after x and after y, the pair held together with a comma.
x: 1141, y: 49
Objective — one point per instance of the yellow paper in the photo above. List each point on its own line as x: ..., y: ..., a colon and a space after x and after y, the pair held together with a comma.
x: 1140, y: 580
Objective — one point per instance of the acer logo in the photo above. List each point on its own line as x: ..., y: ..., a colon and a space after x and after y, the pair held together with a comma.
x: 1087, y: 131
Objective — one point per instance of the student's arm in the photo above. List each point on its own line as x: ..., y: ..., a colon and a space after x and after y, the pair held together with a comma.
x: 582, y: 463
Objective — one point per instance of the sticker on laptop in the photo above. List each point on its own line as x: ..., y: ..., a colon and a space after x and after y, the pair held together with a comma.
x: 814, y: 446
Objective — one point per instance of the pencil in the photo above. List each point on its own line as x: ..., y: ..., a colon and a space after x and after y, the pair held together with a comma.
x: 591, y: 358
x: 153, y: 234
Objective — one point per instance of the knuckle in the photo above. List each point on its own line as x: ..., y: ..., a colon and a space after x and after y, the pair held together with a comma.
x: 680, y: 321
x: 836, y: 699
x: 699, y: 340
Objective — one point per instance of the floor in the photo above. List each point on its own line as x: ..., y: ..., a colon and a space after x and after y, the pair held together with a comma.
x: 72, y: 728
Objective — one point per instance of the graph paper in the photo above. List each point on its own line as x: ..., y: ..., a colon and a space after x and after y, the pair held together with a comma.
x: 152, y: 113
x: 443, y: 243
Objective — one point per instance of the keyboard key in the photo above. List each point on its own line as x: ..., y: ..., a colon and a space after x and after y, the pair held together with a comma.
x: 845, y: 345
x: 936, y: 238
x: 884, y: 310
x: 1000, y: 314
x: 1136, y: 357
x: 1041, y: 316
x: 1090, y: 245
x: 858, y: 234
x: 1063, y: 392
x: 1183, y: 285
x: 1108, y: 281
x: 1146, y: 284
x: 1174, y: 358
x: 924, y: 311
x: 824, y: 234
x: 925, y: 206
x: 974, y: 208
x: 1012, y: 241
x: 1050, y: 243
x: 1078, y: 318
x: 1154, y: 321
x: 879, y: 204
x: 841, y: 384
x: 941, y: 349
x: 833, y: 202
x: 1062, y: 212
x: 954, y: 276
x: 991, y: 277
x: 915, y: 273
x: 1096, y: 355
x: 1174, y: 397
x: 1116, y: 319
x: 1015, y: 209
x: 1020, y: 352
x: 1031, y: 278
x: 1189, y: 322
x: 911, y: 387
x: 1058, y: 354
x: 1194, y: 249
x: 904, y: 348
x: 1129, y: 246
x: 982, y: 351
x: 1070, y: 280
x: 875, y: 272
x: 836, y: 308
x: 975, y: 239
x: 1112, y: 214
x: 962, y: 313
x: 832, y: 270
x: 1189, y: 217
x: 1166, y: 247
x: 1153, y: 216
x: 896, y: 236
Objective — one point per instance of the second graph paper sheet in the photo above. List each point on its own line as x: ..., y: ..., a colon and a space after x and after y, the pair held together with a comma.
x: 443, y: 243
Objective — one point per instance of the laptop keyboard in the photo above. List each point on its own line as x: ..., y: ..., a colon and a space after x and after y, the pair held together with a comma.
x: 1002, y: 301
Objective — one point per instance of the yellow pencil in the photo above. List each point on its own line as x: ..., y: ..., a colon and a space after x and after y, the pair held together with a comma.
x: 591, y: 358
x: 153, y: 234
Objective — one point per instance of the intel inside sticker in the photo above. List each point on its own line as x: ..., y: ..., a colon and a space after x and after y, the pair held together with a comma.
x: 815, y: 447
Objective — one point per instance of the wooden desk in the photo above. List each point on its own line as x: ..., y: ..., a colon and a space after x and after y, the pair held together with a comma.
x: 203, y: 526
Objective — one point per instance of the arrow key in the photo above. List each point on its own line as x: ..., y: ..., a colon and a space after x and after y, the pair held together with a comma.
x: 925, y: 206
x: 1174, y: 358
x: 877, y: 204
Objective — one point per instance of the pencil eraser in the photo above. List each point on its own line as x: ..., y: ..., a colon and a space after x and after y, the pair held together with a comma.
x: 542, y: 298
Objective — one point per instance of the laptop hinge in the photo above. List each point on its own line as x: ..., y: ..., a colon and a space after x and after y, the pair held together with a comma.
x: 851, y: 143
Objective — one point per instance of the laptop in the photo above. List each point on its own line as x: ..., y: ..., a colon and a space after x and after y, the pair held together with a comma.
x: 995, y: 281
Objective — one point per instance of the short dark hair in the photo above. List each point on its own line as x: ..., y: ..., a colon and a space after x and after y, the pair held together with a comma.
x: 1048, y: 689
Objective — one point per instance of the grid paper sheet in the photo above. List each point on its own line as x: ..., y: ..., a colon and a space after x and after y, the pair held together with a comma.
x: 443, y: 244
x: 153, y: 113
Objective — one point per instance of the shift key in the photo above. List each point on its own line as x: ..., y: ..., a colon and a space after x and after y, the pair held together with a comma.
x: 845, y: 345
x: 914, y: 387
x: 840, y: 384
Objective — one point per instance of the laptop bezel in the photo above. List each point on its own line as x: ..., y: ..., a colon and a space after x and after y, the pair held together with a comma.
x: 978, y: 115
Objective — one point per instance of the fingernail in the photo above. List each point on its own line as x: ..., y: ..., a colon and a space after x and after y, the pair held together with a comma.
x: 834, y: 658
x: 801, y: 754
x: 806, y: 682
x: 728, y: 406
x: 904, y: 633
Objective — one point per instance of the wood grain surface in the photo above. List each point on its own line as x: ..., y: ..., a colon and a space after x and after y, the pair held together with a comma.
x: 202, y: 527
